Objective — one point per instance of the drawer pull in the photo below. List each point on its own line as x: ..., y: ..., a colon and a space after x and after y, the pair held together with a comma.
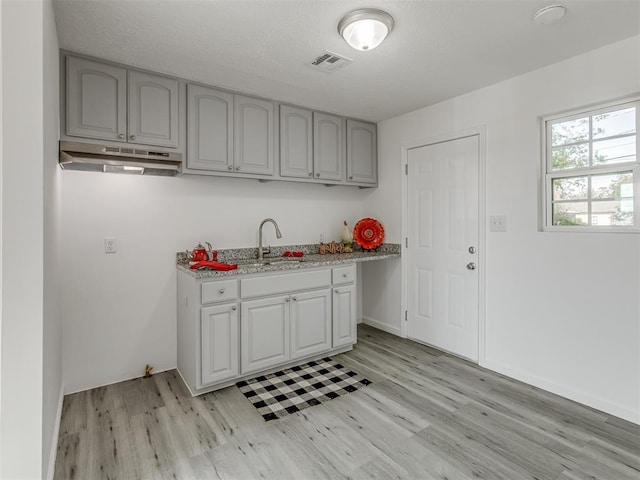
x: 295, y: 299
x: 234, y: 307
x: 344, y: 275
x: 287, y: 299
x: 221, y: 291
x: 337, y: 291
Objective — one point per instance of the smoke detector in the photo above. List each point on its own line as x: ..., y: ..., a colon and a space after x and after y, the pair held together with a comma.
x: 549, y: 14
x: 329, y: 62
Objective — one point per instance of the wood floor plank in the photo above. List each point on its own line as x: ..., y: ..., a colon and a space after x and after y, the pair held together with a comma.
x: 426, y: 415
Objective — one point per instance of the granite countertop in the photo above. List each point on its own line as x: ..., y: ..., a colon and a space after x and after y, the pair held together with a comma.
x: 246, y: 258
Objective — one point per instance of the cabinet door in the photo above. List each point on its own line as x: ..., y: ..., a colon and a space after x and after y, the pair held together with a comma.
x: 328, y: 146
x: 209, y: 129
x: 153, y: 109
x: 310, y: 323
x: 254, y: 135
x: 296, y: 142
x: 264, y: 333
x: 219, y: 343
x: 362, y: 154
x: 96, y: 100
x: 344, y: 316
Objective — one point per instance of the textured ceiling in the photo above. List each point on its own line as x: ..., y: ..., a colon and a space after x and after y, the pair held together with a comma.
x: 438, y: 49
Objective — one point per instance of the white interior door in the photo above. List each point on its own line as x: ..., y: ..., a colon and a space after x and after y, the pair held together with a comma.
x: 442, y: 252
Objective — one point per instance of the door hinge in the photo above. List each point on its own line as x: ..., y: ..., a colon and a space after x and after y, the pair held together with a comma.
x: 406, y: 242
x: 406, y: 169
x: 406, y: 315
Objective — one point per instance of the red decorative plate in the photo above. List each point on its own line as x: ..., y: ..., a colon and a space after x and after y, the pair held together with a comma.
x: 368, y: 233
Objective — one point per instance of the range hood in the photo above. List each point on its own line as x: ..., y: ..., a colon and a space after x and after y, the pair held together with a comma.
x: 91, y: 157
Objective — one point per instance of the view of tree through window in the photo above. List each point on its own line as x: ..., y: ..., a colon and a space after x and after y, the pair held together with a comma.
x: 592, y: 167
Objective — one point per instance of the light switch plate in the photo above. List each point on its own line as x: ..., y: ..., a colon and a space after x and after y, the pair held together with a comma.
x: 498, y: 223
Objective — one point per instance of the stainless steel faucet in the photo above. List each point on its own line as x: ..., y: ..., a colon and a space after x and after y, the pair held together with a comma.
x: 262, y: 251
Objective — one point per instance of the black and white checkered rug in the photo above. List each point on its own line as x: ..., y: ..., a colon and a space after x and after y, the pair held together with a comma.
x: 279, y: 394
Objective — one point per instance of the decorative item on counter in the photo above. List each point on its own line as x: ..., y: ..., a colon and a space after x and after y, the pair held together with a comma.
x: 292, y: 254
x: 333, y: 248
x: 203, y: 253
x: 213, y: 265
x: 347, y: 237
x: 368, y: 233
x: 147, y: 371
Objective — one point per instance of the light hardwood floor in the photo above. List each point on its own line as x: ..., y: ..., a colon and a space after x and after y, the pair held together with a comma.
x: 427, y: 415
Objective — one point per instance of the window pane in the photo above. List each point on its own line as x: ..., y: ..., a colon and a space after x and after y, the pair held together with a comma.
x: 611, y: 124
x: 570, y: 157
x: 615, y: 185
x: 613, y: 212
x: 573, y: 188
x: 571, y: 131
x: 574, y: 213
x: 616, y: 150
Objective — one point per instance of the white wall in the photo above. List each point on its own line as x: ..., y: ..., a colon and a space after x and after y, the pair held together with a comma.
x: 22, y: 240
x: 119, y: 310
x: 562, y: 309
x: 52, y: 338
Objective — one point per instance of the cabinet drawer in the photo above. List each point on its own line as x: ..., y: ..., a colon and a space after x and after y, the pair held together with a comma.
x: 219, y: 291
x: 285, y: 283
x: 342, y: 275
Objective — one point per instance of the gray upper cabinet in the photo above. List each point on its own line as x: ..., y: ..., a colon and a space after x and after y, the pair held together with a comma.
x: 254, y: 140
x: 108, y: 102
x: 209, y: 129
x: 153, y: 109
x: 362, y: 164
x: 328, y: 146
x: 296, y: 142
x: 96, y: 100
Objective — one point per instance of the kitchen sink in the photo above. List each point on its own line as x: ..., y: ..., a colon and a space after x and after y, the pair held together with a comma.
x: 253, y: 263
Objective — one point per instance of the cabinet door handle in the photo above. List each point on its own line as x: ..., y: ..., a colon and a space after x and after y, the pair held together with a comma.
x: 295, y: 299
x: 237, y: 169
x: 337, y: 291
x: 221, y: 291
x: 287, y: 299
x: 317, y: 174
x: 121, y: 136
x: 351, y: 177
x: 310, y: 174
x: 230, y: 167
x: 234, y: 308
x: 344, y: 275
x: 132, y: 137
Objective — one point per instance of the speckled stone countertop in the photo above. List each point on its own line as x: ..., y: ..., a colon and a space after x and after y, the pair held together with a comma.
x: 246, y: 258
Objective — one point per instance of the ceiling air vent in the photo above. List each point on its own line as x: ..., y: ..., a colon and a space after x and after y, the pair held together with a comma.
x: 329, y: 62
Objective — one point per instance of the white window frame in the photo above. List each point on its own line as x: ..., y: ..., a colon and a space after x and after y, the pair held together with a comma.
x: 548, y: 174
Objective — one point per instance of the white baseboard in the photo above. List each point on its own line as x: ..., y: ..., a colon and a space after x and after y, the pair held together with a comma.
x: 123, y: 378
x: 51, y: 469
x: 382, y: 326
x: 576, y: 395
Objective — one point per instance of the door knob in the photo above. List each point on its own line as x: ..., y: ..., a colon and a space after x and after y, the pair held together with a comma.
x: 471, y: 266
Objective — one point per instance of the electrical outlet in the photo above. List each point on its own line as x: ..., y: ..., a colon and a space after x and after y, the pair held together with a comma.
x: 498, y: 223
x: 110, y: 245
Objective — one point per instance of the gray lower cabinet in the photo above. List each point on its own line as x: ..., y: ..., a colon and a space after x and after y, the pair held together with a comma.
x: 362, y: 155
x: 219, y: 343
x: 344, y: 315
x: 310, y: 323
x: 254, y: 140
x: 96, y: 100
x: 209, y: 129
x: 108, y: 102
x: 233, y: 328
x: 264, y: 341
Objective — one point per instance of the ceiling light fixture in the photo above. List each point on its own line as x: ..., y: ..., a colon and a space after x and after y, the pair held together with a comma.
x: 549, y: 14
x: 366, y: 28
